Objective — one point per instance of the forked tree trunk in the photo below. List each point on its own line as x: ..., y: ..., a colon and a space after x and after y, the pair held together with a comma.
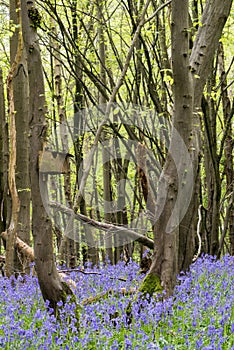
x: 213, y: 19
x: 51, y: 285
x: 173, y: 236
x: 165, y: 263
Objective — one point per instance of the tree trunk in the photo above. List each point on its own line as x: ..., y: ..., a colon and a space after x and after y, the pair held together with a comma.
x: 67, y: 245
x: 15, y: 203
x: 52, y: 288
x: 172, y: 241
x: 228, y: 148
x: 21, y: 96
x: 3, y: 158
x: 206, y: 43
x: 89, y: 253
x: 165, y: 262
x: 107, y: 188
x: 213, y: 179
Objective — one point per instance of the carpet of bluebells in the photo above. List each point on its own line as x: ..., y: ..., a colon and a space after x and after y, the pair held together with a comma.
x: 200, y: 315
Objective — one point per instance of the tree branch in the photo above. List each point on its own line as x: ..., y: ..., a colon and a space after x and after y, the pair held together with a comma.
x: 108, y: 108
x: 21, y: 246
x: 213, y: 20
x: 104, y: 226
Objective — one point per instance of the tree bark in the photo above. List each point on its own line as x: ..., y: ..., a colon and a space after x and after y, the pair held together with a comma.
x: 3, y: 158
x: 21, y: 96
x: 206, y: 43
x: 67, y: 245
x: 165, y: 262
x: 15, y: 202
x: 22, y: 247
x: 228, y: 151
x: 172, y: 242
x: 213, y: 179
x: 51, y: 285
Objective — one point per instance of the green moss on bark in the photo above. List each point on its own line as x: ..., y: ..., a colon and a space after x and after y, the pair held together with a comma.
x: 150, y: 285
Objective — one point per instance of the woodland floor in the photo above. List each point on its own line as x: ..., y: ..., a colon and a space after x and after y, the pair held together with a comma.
x: 200, y: 315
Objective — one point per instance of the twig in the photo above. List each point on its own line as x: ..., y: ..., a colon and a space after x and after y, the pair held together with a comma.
x: 90, y: 273
x: 157, y: 11
x: 198, y: 233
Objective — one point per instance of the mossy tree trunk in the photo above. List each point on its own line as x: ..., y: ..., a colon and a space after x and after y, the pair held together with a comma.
x: 52, y: 288
x: 174, y: 231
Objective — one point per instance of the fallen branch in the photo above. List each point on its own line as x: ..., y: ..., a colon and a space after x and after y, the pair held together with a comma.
x: 104, y: 226
x: 91, y: 273
x: 102, y: 296
x: 28, y: 252
x: 21, y: 246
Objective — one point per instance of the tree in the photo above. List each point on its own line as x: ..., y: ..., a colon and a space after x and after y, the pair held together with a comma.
x: 190, y: 73
x: 3, y: 157
x: 21, y: 95
x: 15, y: 202
x: 52, y: 288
